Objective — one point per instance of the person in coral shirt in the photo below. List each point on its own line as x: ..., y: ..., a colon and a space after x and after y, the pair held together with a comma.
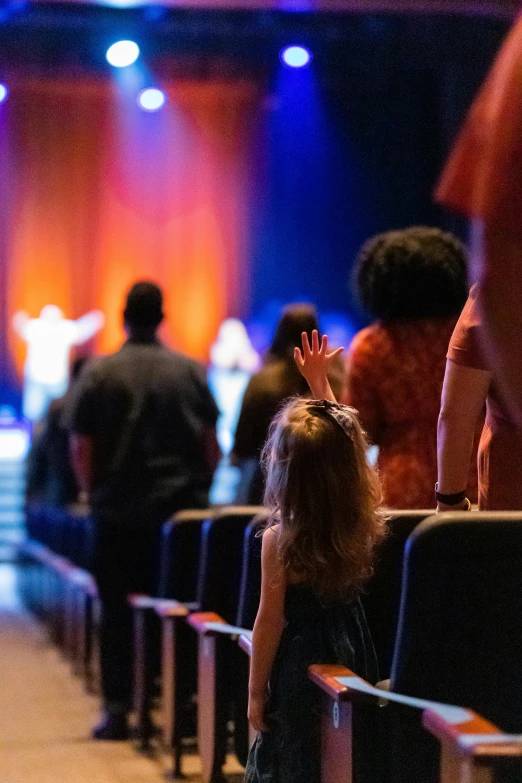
x: 483, y: 180
x: 413, y: 283
x: 468, y: 384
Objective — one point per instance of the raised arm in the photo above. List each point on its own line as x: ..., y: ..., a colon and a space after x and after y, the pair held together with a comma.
x: 20, y: 321
x: 268, y: 628
x: 313, y: 363
x: 463, y: 396
x: 88, y: 325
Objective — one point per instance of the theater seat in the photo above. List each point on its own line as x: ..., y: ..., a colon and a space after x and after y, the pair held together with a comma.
x: 179, y: 567
x: 217, y: 590
x: 473, y: 750
x: 459, y: 641
x: 382, y: 594
x: 222, y: 668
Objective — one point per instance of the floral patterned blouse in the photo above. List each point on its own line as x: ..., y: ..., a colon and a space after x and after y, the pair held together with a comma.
x: 395, y: 376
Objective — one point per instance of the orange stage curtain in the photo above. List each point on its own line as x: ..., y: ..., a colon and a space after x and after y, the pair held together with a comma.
x: 101, y: 194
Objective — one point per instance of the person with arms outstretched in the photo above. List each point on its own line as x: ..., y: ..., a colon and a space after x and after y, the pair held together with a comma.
x: 50, y: 338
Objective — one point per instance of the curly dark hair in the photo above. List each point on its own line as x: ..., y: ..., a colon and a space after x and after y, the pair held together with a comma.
x: 410, y: 274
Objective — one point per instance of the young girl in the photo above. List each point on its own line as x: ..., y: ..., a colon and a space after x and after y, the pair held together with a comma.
x: 316, y: 556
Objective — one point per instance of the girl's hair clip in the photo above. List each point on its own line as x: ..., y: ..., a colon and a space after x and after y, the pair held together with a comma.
x: 341, y: 414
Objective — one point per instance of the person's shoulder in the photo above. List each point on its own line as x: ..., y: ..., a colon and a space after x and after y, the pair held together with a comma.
x: 182, y: 370
x: 370, y: 340
x: 268, y: 372
x: 97, y: 366
x: 269, y: 380
x: 271, y: 532
x: 181, y: 361
x: 271, y: 538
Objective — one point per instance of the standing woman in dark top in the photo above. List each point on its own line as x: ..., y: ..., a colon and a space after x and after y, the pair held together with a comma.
x: 277, y: 380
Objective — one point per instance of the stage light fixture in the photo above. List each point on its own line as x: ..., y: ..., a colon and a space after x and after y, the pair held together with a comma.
x: 151, y: 99
x: 296, y: 56
x: 123, y: 53
x: 4, y: 92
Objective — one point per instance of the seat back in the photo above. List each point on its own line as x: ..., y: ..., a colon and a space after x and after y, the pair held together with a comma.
x: 382, y: 594
x: 180, y: 554
x: 459, y: 638
x: 250, y: 587
x: 80, y: 535
x: 220, y: 563
x: 57, y: 534
x: 33, y: 522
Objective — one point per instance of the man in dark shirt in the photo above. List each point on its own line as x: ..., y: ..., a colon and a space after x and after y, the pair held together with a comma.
x: 144, y: 446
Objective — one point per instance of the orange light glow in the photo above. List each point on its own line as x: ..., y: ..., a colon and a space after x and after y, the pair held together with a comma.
x: 103, y: 196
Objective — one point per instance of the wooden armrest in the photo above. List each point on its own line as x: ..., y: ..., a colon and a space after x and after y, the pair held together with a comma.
x: 81, y: 578
x: 166, y: 608
x: 472, y: 735
x: 326, y: 676
x: 211, y: 623
x: 199, y: 621
x: 469, y: 733
x: 91, y: 588
x: 245, y: 642
x: 62, y: 566
x: 140, y: 601
x: 341, y: 684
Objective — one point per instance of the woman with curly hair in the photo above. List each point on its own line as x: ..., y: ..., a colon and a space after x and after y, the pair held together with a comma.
x: 413, y: 283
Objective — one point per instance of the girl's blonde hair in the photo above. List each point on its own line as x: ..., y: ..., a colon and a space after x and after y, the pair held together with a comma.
x: 324, y: 494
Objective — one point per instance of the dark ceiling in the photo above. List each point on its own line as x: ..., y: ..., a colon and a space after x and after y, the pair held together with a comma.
x: 47, y: 36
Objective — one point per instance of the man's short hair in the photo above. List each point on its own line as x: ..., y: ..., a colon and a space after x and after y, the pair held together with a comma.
x: 144, y: 305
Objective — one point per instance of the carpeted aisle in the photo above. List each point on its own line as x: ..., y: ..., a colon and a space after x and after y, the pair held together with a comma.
x: 46, y: 717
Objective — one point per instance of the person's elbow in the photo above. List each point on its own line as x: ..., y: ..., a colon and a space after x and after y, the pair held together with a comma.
x: 450, y: 417
x: 269, y: 622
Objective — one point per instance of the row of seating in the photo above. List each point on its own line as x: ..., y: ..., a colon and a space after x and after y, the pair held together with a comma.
x: 458, y: 640
x: 228, y: 548
x: 56, y: 584
x: 201, y: 569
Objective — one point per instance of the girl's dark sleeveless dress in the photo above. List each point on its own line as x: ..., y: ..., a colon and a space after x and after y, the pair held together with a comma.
x: 316, y: 632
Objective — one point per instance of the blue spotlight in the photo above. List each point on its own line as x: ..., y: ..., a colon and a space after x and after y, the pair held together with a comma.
x: 296, y: 56
x: 151, y: 99
x: 123, y: 53
x: 4, y: 92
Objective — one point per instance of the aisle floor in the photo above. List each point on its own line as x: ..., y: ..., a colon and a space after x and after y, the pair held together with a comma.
x: 46, y: 716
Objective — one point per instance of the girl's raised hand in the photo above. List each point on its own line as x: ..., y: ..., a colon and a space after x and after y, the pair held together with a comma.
x: 313, y: 363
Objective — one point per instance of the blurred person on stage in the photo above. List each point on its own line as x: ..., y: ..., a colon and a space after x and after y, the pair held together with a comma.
x: 232, y: 362
x: 143, y: 437
x: 49, y: 341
